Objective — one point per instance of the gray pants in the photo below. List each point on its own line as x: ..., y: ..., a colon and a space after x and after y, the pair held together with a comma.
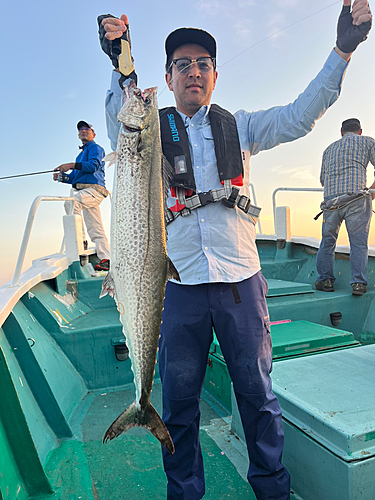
x: 357, y: 216
x: 87, y: 203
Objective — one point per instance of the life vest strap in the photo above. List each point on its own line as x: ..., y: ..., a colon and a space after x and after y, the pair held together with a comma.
x: 202, y: 199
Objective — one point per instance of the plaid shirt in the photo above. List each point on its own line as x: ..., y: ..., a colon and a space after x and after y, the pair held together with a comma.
x: 344, y: 164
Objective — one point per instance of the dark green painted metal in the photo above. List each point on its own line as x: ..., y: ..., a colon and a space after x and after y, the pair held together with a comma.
x: 84, y: 334
x: 302, y: 337
x: 293, y: 339
x: 89, y: 291
x: 68, y: 471
x: 299, y: 265
x: 59, y: 283
x: 86, y: 338
x: 35, y: 378
x: 21, y: 463
x: 131, y: 467
x: 277, y: 288
x: 217, y: 381
x: 51, y: 309
x: 78, y: 272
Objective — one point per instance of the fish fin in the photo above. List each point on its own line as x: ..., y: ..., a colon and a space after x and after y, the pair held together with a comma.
x: 124, y: 422
x: 167, y: 175
x: 145, y: 417
x: 108, y: 286
x: 156, y: 426
x: 111, y: 157
x: 172, y: 271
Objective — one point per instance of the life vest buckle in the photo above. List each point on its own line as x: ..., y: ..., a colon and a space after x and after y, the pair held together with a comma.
x: 244, y: 203
x: 206, y: 198
x: 230, y: 202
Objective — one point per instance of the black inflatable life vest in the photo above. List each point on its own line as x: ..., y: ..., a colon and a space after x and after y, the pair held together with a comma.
x: 175, y: 144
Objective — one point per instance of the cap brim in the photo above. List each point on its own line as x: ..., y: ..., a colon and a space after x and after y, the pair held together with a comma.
x: 81, y: 124
x: 182, y: 36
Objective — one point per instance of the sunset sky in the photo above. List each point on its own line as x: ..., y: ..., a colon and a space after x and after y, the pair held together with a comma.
x: 55, y: 74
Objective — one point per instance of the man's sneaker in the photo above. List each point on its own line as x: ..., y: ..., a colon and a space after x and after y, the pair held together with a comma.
x: 102, y: 266
x: 325, y: 285
x: 359, y: 288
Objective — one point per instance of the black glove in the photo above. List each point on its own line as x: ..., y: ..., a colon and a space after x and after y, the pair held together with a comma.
x: 111, y: 47
x: 348, y: 35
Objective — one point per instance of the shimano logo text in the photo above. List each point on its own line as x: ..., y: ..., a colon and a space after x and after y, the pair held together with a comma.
x: 173, y: 127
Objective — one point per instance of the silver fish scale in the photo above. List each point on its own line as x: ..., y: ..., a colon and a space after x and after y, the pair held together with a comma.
x: 138, y: 247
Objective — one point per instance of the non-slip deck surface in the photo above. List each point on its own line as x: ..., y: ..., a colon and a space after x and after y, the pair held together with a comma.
x: 131, y: 465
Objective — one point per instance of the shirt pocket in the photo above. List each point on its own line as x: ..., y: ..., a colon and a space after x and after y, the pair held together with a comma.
x: 208, y: 146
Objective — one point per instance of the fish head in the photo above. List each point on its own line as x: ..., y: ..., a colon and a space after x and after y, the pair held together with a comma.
x: 139, y: 108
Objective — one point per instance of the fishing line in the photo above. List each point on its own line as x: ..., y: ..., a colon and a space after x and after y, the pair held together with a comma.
x: 24, y: 175
x: 279, y: 31
x: 265, y: 38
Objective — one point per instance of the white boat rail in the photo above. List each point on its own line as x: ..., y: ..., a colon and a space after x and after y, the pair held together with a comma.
x: 253, y: 197
x: 28, y: 227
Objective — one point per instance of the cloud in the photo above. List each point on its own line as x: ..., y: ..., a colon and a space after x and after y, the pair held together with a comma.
x: 235, y: 14
x: 299, y: 173
x: 214, y: 7
x: 276, y: 23
x: 288, y: 3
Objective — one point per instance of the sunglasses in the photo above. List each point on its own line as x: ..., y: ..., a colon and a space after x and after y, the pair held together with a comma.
x: 205, y: 64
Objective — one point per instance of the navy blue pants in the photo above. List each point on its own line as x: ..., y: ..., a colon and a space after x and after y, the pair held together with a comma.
x: 190, y: 313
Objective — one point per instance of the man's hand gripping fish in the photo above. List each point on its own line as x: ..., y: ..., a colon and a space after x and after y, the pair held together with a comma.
x: 140, y: 266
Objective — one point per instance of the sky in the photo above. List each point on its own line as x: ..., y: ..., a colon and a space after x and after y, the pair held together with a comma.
x: 53, y: 74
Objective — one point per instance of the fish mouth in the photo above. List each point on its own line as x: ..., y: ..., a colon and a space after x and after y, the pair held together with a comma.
x: 129, y: 130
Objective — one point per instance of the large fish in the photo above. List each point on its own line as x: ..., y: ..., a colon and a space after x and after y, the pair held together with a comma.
x: 140, y: 266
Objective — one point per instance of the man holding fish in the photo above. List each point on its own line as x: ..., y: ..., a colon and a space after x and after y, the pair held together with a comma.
x: 211, y: 242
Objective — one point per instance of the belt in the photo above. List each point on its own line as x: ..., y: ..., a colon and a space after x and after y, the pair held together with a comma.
x: 102, y: 190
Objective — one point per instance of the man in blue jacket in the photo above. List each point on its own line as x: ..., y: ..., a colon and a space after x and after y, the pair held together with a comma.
x: 87, y: 179
x: 213, y: 246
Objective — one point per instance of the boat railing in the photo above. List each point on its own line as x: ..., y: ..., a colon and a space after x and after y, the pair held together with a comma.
x: 253, y: 198
x: 28, y: 227
x: 316, y: 190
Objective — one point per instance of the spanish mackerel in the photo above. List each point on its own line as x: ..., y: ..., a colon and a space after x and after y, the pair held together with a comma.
x: 140, y: 266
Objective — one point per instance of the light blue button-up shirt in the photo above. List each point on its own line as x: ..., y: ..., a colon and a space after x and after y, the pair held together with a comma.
x: 215, y: 243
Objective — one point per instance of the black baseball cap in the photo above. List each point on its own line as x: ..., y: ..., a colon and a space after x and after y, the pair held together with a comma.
x: 181, y: 36
x: 85, y: 124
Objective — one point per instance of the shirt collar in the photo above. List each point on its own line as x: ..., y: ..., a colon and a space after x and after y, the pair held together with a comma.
x: 348, y: 134
x: 84, y: 145
x: 200, y: 117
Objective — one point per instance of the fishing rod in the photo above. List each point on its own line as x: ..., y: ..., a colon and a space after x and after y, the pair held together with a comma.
x: 24, y: 175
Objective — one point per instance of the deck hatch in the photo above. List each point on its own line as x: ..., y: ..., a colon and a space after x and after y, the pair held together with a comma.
x: 329, y: 397
x: 279, y: 288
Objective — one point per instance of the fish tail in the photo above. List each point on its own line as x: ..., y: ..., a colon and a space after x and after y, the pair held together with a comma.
x: 147, y: 417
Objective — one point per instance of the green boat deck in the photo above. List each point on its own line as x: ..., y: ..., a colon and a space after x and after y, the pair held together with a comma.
x: 131, y: 465
x: 63, y: 385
